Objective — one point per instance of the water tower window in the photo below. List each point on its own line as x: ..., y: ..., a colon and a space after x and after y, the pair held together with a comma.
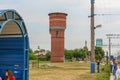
x: 57, y: 34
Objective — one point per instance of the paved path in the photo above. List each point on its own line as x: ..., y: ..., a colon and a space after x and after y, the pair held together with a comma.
x: 111, y: 77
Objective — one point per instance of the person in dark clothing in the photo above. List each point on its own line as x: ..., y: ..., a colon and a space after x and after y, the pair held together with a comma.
x: 115, y: 66
x: 9, y: 75
x: 98, y: 66
x: 111, y: 66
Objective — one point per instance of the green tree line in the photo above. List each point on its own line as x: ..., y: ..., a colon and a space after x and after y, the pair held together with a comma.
x: 82, y: 53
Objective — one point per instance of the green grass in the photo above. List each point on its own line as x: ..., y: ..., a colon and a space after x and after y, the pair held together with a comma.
x: 62, y: 71
x: 105, y: 73
x: 87, y: 76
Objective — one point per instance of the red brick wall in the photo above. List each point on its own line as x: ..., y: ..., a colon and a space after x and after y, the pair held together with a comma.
x: 57, y: 42
x: 57, y: 19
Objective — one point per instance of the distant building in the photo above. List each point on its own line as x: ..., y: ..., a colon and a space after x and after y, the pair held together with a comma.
x: 41, y: 53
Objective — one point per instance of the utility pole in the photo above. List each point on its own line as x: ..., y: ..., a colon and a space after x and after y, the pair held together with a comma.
x: 109, y: 46
x: 92, y: 32
x: 85, y: 43
x: 107, y: 57
x: 38, y: 55
x: 92, y: 38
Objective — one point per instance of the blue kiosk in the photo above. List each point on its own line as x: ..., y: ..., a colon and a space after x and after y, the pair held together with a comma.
x: 14, y: 45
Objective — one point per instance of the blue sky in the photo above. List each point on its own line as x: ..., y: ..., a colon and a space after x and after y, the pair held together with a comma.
x: 35, y: 15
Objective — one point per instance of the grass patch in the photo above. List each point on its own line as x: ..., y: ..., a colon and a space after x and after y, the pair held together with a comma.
x: 48, y: 66
x: 87, y: 76
x: 76, y: 68
x: 105, y: 73
x: 62, y: 71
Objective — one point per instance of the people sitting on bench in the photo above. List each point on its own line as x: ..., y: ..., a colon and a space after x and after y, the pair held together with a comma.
x: 9, y: 75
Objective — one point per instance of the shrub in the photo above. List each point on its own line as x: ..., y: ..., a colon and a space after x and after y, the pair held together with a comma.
x: 105, y: 73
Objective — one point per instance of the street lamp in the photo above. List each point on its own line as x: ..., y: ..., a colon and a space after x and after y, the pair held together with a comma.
x: 98, y: 26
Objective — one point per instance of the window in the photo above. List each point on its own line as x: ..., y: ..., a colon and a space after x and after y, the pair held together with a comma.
x: 56, y: 34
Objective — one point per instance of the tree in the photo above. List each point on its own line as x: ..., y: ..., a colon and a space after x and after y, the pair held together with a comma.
x: 76, y: 53
x: 68, y: 54
x: 31, y: 51
x: 36, y: 51
x: 82, y: 54
x: 32, y: 55
x: 48, y: 55
x: 99, y: 53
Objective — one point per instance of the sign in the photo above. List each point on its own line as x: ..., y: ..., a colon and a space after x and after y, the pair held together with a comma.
x: 99, y: 42
x: 113, y: 35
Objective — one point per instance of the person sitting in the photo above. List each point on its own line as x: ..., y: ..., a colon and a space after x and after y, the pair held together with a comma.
x: 9, y: 75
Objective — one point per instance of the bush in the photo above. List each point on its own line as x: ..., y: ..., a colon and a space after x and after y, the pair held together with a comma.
x: 48, y: 55
x: 105, y: 73
x: 103, y: 76
x: 32, y: 56
x: 106, y: 68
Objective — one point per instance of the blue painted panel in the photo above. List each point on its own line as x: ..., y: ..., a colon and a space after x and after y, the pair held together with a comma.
x: 13, y: 56
x: 11, y: 43
x: 14, y: 52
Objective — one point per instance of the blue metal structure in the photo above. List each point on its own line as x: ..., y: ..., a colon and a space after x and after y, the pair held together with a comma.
x: 14, y: 45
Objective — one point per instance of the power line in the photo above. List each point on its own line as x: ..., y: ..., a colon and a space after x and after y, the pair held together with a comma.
x: 105, y: 14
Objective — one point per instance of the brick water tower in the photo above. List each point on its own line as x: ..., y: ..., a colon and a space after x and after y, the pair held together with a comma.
x: 57, y: 27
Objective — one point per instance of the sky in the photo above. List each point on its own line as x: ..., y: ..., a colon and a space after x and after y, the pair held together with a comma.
x: 35, y: 15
